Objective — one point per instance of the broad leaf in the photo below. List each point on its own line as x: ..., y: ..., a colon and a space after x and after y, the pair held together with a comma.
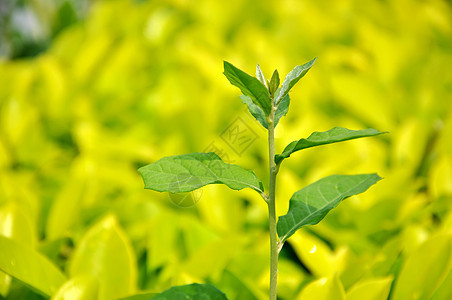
x: 255, y: 110
x: 310, y: 205
x: 193, y: 291
x: 29, y: 266
x: 188, y: 172
x: 292, y: 78
x: 260, y: 75
x: 334, y: 135
x: 249, y: 86
x: 106, y: 254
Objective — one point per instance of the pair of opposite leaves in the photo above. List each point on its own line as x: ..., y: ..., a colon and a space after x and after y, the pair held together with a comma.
x: 308, y: 206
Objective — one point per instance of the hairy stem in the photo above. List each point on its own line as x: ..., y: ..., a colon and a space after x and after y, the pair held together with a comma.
x: 274, y: 247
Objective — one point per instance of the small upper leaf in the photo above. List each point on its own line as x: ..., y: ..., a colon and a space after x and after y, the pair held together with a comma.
x: 191, y: 292
x: 260, y: 75
x: 310, y: 205
x: 255, y: 110
x: 258, y: 113
x: 188, y: 172
x: 334, y: 135
x: 292, y: 78
x: 274, y: 83
x: 249, y: 86
x: 282, y: 109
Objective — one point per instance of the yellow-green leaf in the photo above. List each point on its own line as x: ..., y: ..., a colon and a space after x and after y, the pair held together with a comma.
x: 327, y: 288
x: 371, y: 289
x: 425, y: 269
x: 29, y: 266
x: 105, y: 253
x: 78, y: 288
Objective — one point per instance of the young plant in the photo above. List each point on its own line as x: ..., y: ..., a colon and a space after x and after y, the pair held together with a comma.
x: 267, y: 101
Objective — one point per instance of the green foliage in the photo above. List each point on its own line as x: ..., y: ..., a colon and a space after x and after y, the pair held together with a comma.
x: 107, y: 96
x: 185, y: 173
x: 310, y: 205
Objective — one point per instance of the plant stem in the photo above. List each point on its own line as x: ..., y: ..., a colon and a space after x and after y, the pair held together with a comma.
x: 272, y: 209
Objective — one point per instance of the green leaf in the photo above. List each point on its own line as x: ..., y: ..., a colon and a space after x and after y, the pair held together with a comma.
x: 260, y: 76
x: 274, y: 83
x: 255, y: 110
x: 249, y: 86
x: 105, y: 253
x: 188, y: 172
x: 310, y: 205
x: 193, y: 291
x: 292, y: 78
x: 29, y: 266
x: 334, y: 135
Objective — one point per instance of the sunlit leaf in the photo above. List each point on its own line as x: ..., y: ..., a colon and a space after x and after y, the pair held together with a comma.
x: 105, y: 253
x: 327, y: 288
x: 78, y: 288
x: 310, y: 205
x: 29, y: 266
x: 188, y: 172
x: 370, y: 289
x: 314, y: 253
x: 334, y: 135
x: 17, y: 226
x: 249, y: 86
x: 292, y: 78
x: 193, y: 291
x: 444, y: 291
x: 424, y: 270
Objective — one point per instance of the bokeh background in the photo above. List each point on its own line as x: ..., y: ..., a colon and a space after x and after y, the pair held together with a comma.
x: 92, y: 90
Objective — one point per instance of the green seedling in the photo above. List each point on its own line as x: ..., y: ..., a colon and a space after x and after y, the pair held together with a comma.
x: 267, y: 101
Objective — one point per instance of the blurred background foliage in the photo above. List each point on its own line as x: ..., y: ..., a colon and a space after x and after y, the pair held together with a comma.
x: 92, y: 90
